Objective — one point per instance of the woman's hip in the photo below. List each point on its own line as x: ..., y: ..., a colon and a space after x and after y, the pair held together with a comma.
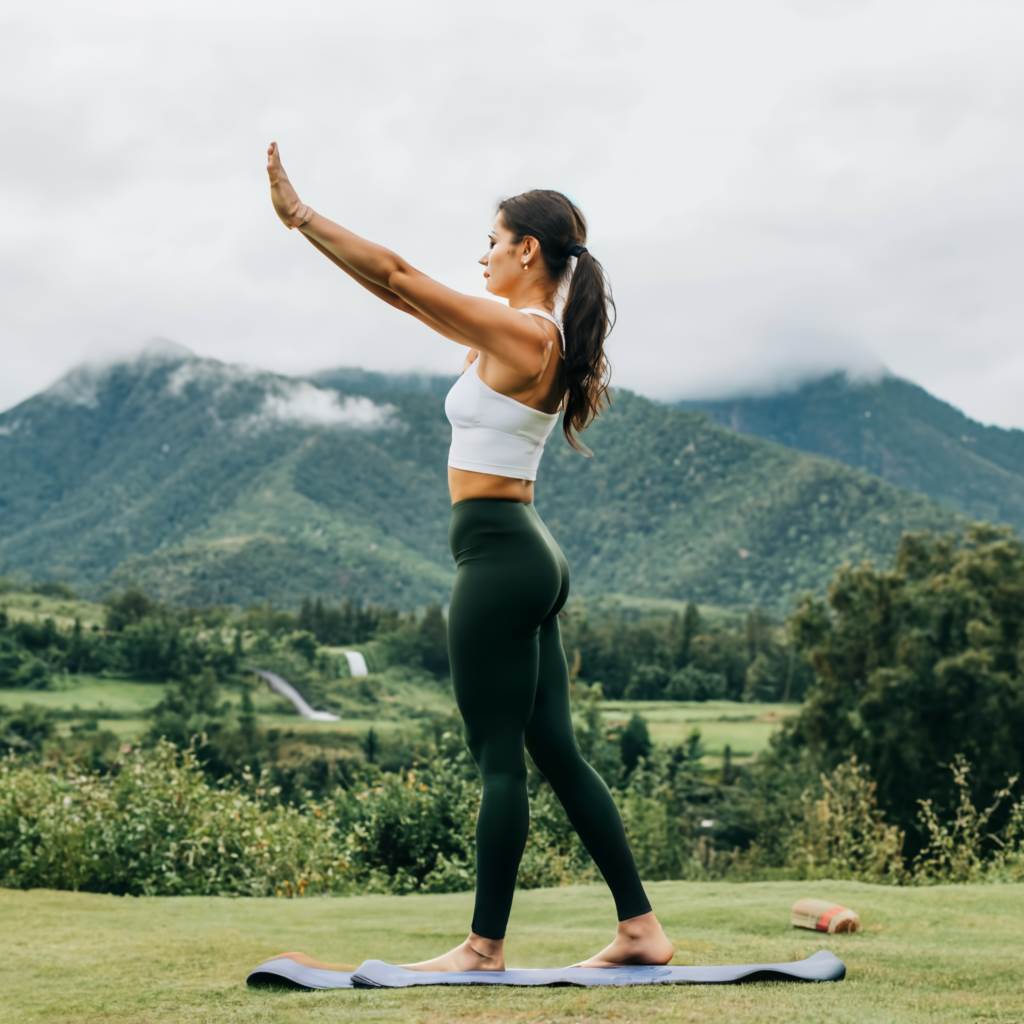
x: 507, y: 562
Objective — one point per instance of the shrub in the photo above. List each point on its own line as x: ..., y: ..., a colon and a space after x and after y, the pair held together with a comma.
x: 409, y: 830
x: 1007, y: 864
x: 842, y: 833
x: 154, y: 826
x: 662, y: 844
x: 693, y: 683
x: 954, y: 851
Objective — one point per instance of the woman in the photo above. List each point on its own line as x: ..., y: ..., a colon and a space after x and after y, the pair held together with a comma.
x: 509, y: 669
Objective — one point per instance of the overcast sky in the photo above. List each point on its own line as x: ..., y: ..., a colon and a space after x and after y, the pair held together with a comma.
x: 774, y: 187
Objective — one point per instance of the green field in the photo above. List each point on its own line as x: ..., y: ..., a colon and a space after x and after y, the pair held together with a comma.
x: 946, y: 953
x: 745, y: 727
x: 400, y: 700
x: 23, y: 605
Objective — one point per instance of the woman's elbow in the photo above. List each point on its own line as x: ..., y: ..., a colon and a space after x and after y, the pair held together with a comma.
x: 397, y: 276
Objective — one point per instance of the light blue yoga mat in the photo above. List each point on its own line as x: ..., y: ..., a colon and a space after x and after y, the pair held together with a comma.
x: 285, y: 971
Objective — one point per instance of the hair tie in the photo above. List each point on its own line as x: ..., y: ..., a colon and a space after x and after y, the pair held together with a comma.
x: 576, y: 249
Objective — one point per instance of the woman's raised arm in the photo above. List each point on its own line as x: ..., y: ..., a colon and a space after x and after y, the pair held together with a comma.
x: 393, y: 300
x: 381, y: 292
x: 366, y: 262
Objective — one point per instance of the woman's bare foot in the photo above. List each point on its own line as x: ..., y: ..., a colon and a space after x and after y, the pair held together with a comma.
x: 476, y: 953
x: 638, y: 940
x: 286, y: 200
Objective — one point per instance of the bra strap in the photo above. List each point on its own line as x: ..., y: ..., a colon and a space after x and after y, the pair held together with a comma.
x: 547, y: 316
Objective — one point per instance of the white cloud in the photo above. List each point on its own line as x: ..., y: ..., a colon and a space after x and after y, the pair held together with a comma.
x: 211, y: 375
x: 80, y: 385
x: 283, y: 400
x: 304, y: 403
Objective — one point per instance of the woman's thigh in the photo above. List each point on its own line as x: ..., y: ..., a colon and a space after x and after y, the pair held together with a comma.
x: 549, y: 735
x: 494, y: 656
x: 506, y: 582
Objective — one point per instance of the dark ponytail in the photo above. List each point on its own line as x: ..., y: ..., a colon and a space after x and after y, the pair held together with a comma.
x: 556, y: 222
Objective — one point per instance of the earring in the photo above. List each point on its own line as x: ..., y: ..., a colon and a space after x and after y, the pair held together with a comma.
x: 524, y: 266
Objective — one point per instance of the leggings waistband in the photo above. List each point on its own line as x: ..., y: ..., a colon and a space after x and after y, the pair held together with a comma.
x: 515, y: 501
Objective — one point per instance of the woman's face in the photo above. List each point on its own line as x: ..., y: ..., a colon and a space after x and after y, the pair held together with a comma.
x: 500, y: 261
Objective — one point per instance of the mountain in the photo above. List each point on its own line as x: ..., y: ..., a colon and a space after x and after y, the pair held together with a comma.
x: 896, y: 430
x: 207, y: 482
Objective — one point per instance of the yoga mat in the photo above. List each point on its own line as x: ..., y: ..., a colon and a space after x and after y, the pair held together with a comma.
x: 307, y: 973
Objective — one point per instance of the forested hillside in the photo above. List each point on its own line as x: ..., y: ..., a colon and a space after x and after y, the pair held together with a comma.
x: 896, y: 430
x: 207, y: 482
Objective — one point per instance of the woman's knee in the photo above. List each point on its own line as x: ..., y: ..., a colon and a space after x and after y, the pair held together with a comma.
x: 559, y: 759
x: 499, y: 755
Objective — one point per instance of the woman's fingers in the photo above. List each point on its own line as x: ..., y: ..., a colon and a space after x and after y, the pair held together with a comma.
x: 274, y: 168
x: 282, y: 192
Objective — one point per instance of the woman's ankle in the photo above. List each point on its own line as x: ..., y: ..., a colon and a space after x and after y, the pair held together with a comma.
x: 491, y: 948
x: 642, y: 924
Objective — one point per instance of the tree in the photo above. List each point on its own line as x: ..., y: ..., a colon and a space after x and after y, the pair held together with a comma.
x: 433, y: 635
x: 635, y: 742
x: 188, y: 708
x: 132, y: 605
x: 728, y: 771
x: 26, y: 729
x: 371, y: 745
x: 304, y: 643
x: 647, y: 682
x: 78, y: 649
x: 918, y: 664
x: 682, y: 634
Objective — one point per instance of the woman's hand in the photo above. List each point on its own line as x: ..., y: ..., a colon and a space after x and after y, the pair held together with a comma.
x: 287, y: 204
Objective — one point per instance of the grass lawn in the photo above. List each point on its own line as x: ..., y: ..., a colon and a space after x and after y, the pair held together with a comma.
x: 23, y: 606
x: 945, y: 953
x: 89, y: 693
x: 746, y: 728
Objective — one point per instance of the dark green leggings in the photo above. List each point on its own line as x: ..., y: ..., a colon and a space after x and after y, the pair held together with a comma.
x: 511, y: 683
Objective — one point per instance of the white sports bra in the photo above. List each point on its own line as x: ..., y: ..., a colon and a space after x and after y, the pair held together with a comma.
x: 493, y: 433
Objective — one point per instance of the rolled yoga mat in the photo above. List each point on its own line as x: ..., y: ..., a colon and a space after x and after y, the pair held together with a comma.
x: 296, y: 970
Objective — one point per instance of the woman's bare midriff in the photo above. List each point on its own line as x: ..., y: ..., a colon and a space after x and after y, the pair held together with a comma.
x: 467, y: 483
